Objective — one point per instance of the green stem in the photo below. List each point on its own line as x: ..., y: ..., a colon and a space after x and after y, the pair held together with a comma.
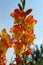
x: 24, y: 59
x: 21, y: 7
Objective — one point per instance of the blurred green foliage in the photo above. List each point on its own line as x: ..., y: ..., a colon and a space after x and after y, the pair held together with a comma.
x: 36, y: 57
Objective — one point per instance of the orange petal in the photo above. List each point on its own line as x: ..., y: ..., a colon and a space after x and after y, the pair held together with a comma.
x: 28, y: 11
x: 18, y: 60
x: 27, y: 52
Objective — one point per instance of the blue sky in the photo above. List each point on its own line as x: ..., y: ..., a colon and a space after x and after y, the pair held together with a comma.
x: 7, y: 6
